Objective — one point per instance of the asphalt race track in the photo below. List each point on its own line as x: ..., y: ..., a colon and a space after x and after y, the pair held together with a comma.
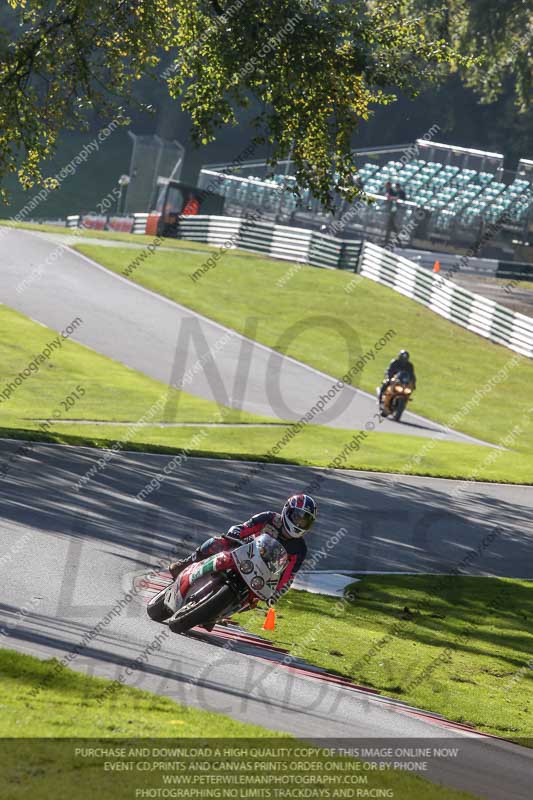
x: 164, y: 340
x: 393, y: 523
x: 69, y: 554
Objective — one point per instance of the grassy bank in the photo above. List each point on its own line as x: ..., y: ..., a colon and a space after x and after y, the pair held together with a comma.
x: 458, y: 646
x: 451, y: 362
x: 338, y: 322
x: 314, y: 446
x: 103, y: 391
x: 74, y: 705
x: 70, y: 704
x: 113, y: 393
x: 99, y: 388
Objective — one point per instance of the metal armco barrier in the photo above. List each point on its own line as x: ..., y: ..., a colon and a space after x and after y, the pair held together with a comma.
x: 277, y: 241
x: 139, y: 223
x: 266, y: 238
x: 514, y: 271
x: 471, y: 311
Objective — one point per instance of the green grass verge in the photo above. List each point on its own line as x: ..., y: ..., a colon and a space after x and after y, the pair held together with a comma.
x: 314, y: 446
x: 70, y: 704
x: 451, y: 362
x: 106, y: 389
x: 458, y: 646
x: 114, y: 393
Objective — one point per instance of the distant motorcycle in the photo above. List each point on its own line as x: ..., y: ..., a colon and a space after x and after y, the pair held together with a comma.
x: 396, y: 396
x: 221, y: 585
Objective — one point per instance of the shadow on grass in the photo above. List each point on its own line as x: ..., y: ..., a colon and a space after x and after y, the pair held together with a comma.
x: 56, y: 437
x: 496, y: 615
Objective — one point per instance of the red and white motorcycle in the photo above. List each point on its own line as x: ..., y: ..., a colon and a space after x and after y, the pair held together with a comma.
x: 221, y: 585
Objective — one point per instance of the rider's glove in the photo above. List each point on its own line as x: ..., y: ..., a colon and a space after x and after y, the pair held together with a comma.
x: 234, y: 533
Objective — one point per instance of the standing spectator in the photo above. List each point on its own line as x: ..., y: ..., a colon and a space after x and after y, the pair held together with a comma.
x: 400, y: 194
x: 390, y: 194
x: 390, y: 208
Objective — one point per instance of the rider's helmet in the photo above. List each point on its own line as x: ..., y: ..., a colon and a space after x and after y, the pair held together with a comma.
x: 403, y: 355
x: 298, y: 515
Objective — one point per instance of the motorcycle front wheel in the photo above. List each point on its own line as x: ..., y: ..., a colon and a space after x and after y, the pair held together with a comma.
x: 156, y: 608
x: 211, y: 607
x: 399, y: 408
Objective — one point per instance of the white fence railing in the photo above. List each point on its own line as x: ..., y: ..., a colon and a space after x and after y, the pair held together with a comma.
x: 472, y: 311
x: 278, y: 241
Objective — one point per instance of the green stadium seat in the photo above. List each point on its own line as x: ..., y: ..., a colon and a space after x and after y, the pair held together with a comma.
x: 454, y: 195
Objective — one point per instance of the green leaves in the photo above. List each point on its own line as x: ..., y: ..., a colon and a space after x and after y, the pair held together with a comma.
x: 495, y: 39
x: 64, y: 60
x: 315, y: 69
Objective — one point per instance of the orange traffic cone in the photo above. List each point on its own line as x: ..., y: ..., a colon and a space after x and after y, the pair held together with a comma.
x: 270, y: 620
x: 436, y: 266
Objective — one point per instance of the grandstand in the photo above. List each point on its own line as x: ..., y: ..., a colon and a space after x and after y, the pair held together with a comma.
x: 456, y: 193
x: 455, y: 196
x: 253, y: 191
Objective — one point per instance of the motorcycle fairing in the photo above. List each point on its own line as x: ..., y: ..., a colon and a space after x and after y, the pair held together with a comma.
x: 178, y: 591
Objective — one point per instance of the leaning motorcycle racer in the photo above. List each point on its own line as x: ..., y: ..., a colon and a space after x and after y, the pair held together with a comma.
x: 296, y: 519
x: 401, y: 363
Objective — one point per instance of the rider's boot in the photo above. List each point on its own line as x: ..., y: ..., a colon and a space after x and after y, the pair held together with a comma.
x: 178, y: 566
x: 215, y: 545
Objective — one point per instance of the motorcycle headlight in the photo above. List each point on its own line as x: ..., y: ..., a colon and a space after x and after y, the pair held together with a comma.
x: 246, y: 567
x: 257, y: 583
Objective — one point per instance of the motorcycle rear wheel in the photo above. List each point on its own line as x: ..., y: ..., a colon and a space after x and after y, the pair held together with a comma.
x: 214, y: 606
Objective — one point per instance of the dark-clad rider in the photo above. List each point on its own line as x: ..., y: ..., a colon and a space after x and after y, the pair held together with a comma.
x: 296, y: 519
x: 399, y: 364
